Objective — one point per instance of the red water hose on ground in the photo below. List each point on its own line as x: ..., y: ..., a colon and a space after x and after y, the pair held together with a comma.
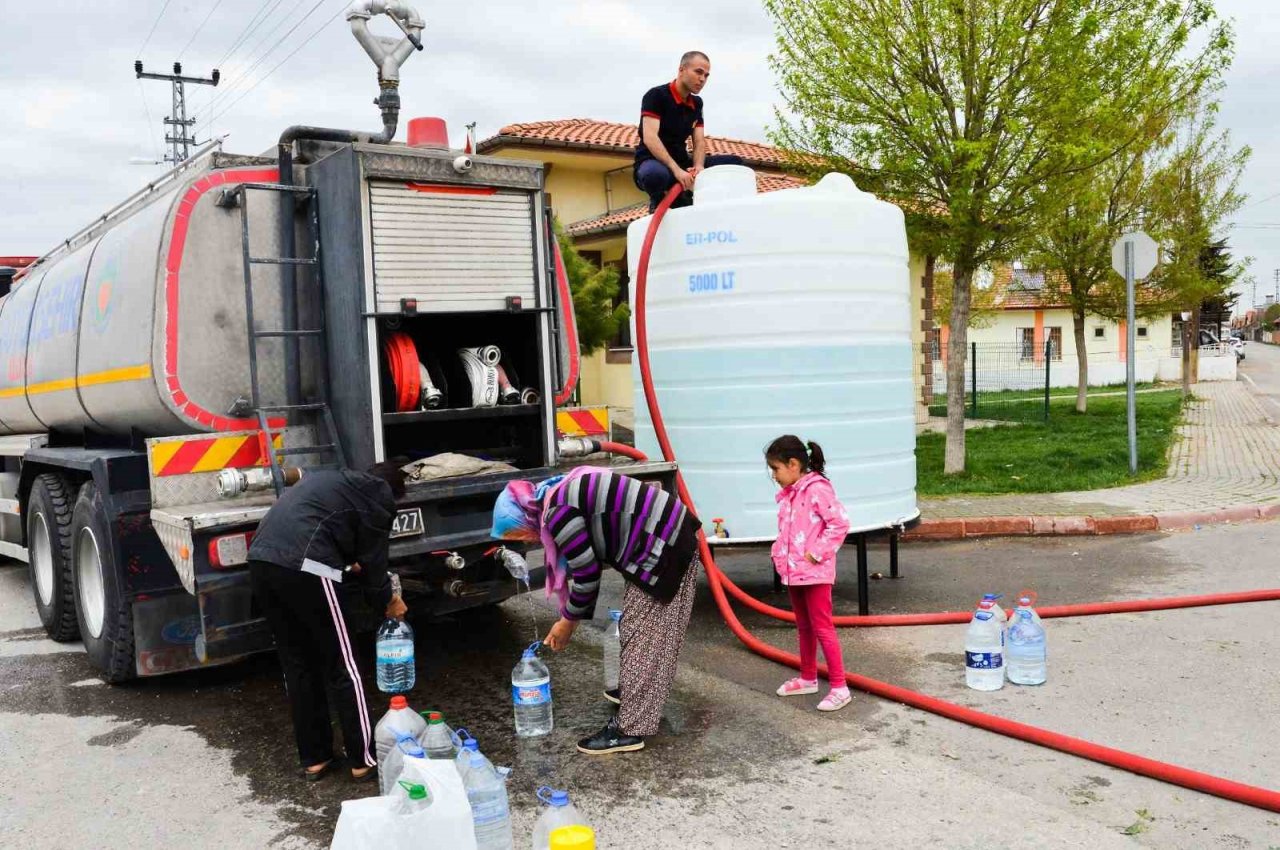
x: 402, y: 363
x: 1248, y: 794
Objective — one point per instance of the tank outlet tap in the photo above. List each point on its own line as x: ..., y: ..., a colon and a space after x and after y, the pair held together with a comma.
x: 237, y: 482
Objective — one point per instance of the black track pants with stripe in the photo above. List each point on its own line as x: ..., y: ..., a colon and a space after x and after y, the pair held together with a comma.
x: 307, y: 617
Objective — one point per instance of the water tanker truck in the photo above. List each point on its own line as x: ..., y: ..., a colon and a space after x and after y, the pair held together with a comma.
x: 345, y: 299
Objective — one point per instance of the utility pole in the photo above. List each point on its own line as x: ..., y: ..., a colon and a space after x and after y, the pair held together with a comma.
x: 1277, y: 298
x: 178, y: 124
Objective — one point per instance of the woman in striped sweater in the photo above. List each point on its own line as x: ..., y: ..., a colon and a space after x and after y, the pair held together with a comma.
x: 591, y: 519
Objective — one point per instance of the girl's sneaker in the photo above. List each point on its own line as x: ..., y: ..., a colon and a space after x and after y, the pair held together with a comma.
x: 836, y: 699
x: 797, y: 687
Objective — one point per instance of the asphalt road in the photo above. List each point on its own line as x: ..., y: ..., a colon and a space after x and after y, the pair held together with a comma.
x: 206, y: 759
x: 1260, y: 369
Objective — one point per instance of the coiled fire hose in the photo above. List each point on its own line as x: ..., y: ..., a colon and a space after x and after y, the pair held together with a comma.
x: 402, y: 362
x: 1251, y: 795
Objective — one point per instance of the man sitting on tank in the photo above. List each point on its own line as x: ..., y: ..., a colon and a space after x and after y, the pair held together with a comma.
x: 670, y: 114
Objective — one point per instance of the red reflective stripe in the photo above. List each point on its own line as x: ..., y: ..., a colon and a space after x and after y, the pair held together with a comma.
x: 647, y: 114
x: 173, y: 266
x: 249, y: 454
x: 187, y: 457
x: 438, y: 189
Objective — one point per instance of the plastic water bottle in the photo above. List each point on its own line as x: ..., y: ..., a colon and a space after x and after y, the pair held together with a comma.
x: 487, y: 794
x: 437, y: 738
x: 399, y: 720
x: 1001, y: 617
x: 463, y: 760
x: 983, y: 658
x: 390, y: 768
x: 1027, y: 649
x: 1026, y: 601
x: 531, y: 694
x: 396, y: 673
x: 576, y: 837
x: 558, y: 812
x: 411, y: 798
x: 612, y: 650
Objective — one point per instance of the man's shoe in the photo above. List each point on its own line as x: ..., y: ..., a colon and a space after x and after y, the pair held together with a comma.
x: 614, y: 695
x: 610, y: 740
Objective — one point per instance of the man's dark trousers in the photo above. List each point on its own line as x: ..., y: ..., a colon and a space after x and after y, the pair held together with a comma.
x: 656, y: 179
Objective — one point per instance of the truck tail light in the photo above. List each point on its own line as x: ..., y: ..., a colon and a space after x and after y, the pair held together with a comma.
x: 230, y: 550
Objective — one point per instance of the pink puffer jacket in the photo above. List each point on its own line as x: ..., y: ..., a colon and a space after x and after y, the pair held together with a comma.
x: 811, y: 521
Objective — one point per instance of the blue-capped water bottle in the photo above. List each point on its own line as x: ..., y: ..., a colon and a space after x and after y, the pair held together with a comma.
x: 531, y: 694
x: 394, y: 651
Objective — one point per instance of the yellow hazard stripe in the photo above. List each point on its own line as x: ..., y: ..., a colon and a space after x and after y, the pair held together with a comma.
x: 93, y: 379
x: 162, y: 453
x: 220, y: 452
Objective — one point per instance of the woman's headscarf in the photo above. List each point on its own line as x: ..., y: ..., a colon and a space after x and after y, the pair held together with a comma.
x: 518, y: 517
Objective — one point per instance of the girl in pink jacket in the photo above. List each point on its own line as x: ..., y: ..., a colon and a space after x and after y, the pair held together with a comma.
x: 812, y: 525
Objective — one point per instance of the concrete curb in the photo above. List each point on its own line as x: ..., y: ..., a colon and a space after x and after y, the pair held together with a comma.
x: 960, y: 528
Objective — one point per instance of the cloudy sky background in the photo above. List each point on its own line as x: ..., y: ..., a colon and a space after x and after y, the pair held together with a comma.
x: 75, y: 116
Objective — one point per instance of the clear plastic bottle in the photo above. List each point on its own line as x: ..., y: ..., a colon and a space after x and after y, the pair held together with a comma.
x: 612, y: 649
x: 557, y: 813
x: 1000, y: 615
x: 399, y: 720
x: 463, y: 760
x: 1027, y: 649
x: 531, y: 695
x: 437, y: 738
x: 1027, y: 600
x: 984, y: 659
x: 395, y: 662
x: 411, y: 798
x: 390, y: 768
x: 490, y: 812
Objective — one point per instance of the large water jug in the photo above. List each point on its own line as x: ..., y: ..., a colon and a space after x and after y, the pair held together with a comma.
x: 390, y: 768
x: 437, y: 738
x: 1027, y: 600
x: 1027, y: 649
x: 776, y: 313
x: 998, y: 614
x: 394, y: 650
x: 399, y: 720
x: 531, y: 694
x: 468, y: 747
x: 983, y: 656
x: 558, y: 812
x: 612, y: 650
x: 575, y: 837
x: 487, y: 793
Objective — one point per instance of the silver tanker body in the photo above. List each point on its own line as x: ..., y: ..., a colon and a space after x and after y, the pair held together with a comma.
x: 141, y: 327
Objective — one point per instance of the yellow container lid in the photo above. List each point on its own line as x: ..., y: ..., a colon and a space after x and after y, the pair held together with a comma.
x: 573, y: 838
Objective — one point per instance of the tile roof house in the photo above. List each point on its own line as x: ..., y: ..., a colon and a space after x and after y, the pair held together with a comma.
x: 588, y: 166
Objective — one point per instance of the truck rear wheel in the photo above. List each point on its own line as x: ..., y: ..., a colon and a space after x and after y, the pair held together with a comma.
x: 49, y: 555
x: 104, y: 614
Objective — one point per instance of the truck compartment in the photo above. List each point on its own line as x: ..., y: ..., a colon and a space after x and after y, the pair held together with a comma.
x: 503, y: 431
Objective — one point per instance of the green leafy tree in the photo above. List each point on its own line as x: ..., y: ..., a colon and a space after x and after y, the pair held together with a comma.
x: 1193, y: 194
x: 967, y: 113
x: 594, y: 292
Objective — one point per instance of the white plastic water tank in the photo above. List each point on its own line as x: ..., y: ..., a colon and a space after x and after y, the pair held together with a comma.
x: 781, y: 313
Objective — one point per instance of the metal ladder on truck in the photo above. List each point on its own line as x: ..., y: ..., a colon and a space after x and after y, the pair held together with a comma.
x: 275, y: 417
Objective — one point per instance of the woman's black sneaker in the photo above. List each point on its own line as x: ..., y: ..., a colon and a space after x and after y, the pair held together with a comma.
x: 610, y: 740
x: 614, y: 695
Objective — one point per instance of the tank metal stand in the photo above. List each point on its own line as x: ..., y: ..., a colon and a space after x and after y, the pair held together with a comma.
x: 864, y: 584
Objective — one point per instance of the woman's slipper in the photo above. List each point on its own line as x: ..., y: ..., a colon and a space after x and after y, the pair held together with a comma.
x: 317, y: 772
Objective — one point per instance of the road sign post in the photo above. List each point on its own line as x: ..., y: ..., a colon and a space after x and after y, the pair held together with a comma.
x: 1134, y: 255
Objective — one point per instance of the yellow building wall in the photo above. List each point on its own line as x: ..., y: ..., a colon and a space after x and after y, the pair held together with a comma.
x: 1003, y: 328
x: 605, y: 382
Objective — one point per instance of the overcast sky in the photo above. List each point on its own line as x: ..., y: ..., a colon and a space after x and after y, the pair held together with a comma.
x: 76, y: 115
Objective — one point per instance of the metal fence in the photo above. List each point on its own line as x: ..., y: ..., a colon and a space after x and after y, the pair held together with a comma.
x: 1010, y: 381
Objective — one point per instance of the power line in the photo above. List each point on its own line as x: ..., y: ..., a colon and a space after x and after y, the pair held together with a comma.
x: 244, y: 76
x: 146, y: 107
x: 307, y: 41
x: 304, y: 44
x: 1262, y: 201
x: 244, y: 33
x: 155, y: 24
x: 199, y: 29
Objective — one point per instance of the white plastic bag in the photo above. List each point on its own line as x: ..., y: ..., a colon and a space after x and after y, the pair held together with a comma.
x: 374, y: 824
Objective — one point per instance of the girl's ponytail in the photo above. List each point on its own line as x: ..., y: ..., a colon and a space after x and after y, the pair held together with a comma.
x: 817, y: 461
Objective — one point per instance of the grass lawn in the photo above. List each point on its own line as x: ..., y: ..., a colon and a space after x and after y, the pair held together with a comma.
x: 1003, y: 397
x: 1071, y: 451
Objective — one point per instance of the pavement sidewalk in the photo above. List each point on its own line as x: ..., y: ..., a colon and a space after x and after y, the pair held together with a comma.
x: 1224, y: 467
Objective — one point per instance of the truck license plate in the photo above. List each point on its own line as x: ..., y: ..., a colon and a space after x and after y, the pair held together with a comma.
x: 408, y: 523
